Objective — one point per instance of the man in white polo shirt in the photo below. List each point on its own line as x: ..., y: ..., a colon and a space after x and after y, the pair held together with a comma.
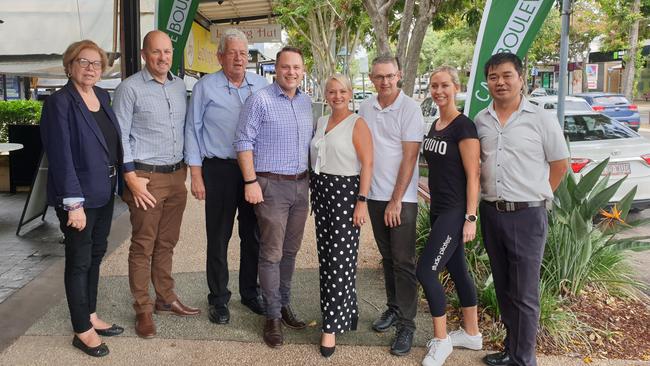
x: 397, y: 128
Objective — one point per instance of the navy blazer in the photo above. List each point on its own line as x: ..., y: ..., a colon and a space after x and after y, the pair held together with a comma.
x: 76, y: 148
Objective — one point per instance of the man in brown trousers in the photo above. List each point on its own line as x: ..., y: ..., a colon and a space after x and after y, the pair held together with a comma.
x: 150, y: 107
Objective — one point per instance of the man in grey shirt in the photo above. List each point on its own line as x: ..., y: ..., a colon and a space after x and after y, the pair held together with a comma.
x: 523, y: 159
x: 150, y: 107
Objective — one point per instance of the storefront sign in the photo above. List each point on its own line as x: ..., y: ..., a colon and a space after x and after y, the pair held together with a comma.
x: 254, y: 33
x: 200, y: 51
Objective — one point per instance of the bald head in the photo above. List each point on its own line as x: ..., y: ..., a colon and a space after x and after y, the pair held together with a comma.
x: 154, y: 35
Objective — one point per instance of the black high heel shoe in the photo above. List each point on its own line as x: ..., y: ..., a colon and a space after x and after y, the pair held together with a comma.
x: 99, y: 351
x: 109, y: 332
x: 327, y: 351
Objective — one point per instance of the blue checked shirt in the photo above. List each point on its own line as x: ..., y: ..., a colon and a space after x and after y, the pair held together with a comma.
x: 152, y: 119
x: 277, y: 129
x: 213, y: 115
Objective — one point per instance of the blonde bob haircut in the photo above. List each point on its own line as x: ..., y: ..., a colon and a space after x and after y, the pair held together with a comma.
x: 449, y: 70
x: 73, y: 50
x: 344, y: 80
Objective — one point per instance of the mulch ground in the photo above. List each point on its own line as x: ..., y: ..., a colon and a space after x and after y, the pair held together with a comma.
x: 614, y: 328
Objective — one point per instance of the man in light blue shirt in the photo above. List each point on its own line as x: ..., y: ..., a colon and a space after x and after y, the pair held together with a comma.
x: 212, y: 119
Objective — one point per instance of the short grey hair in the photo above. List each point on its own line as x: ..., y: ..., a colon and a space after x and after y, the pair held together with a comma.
x: 231, y: 33
x: 386, y: 59
x: 452, y: 71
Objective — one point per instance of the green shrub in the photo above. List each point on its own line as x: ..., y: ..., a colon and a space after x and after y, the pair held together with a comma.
x: 559, y: 325
x: 579, y: 252
x: 18, y: 112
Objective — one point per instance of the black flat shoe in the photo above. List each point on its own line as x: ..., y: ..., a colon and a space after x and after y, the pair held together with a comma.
x: 109, y: 332
x: 327, y: 351
x: 99, y: 351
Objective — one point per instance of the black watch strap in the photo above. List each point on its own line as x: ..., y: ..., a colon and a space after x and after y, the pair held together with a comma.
x: 362, y: 198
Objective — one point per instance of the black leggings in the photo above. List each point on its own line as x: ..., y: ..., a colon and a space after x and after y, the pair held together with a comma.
x: 445, y: 248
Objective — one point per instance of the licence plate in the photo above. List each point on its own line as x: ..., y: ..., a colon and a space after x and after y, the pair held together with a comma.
x: 617, y: 169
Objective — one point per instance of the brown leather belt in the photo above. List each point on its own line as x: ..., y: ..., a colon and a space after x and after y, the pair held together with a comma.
x: 283, y: 176
x: 507, y: 206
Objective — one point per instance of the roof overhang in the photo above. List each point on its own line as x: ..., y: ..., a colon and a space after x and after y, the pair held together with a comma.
x: 247, y: 12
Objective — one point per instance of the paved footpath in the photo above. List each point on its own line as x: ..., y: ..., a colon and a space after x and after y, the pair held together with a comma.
x: 36, y: 328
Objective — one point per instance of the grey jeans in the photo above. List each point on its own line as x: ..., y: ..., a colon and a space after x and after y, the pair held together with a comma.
x: 281, y: 219
x: 397, y: 248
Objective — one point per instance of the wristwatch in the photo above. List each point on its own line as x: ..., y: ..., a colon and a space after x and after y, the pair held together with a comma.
x: 362, y: 198
x: 470, y: 218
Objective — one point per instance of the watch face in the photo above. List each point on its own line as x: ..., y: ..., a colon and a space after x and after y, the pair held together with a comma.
x: 470, y: 218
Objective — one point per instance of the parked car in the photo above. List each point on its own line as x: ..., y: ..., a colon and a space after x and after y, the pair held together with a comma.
x: 594, y: 137
x: 360, y: 95
x: 430, y: 110
x: 541, y: 92
x: 570, y: 103
x: 615, y: 106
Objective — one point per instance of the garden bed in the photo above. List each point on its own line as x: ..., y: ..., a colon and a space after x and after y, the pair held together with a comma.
x: 613, y: 328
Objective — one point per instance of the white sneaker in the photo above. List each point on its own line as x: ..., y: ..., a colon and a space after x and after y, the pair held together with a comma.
x: 439, y: 350
x: 460, y: 338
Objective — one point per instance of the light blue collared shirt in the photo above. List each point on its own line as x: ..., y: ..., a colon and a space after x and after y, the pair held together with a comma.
x: 213, y: 115
x: 152, y: 118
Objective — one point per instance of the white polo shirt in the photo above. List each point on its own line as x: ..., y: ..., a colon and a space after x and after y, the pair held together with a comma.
x: 399, y: 122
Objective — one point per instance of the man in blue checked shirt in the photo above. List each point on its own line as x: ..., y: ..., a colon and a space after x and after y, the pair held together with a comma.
x: 272, y: 144
x: 212, y: 119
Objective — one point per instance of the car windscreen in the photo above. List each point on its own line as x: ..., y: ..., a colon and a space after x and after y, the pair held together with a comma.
x: 589, y: 127
x: 611, y: 100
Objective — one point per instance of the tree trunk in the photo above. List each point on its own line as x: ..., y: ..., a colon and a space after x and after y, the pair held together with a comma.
x: 630, y: 66
x: 378, y: 12
x: 410, y: 67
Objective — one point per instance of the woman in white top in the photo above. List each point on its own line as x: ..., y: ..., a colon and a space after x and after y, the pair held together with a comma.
x: 341, y: 160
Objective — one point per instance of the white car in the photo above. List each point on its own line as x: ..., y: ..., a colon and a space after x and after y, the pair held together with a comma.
x: 594, y: 137
x: 570, y: 103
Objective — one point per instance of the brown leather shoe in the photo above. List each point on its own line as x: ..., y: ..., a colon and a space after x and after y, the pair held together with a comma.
x: 176, y: 308
x: 273, y: 333
x: 289, y: 318
x: 144, y: 325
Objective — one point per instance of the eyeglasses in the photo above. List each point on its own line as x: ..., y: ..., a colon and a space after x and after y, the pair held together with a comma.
x: 388, y: 77
x: 97, y: 65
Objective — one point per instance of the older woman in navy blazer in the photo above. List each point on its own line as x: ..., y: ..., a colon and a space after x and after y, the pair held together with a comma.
x: 82, y: 142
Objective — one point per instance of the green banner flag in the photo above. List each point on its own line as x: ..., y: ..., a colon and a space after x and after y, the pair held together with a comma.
x: 507, y: 26
x: 175, y: 18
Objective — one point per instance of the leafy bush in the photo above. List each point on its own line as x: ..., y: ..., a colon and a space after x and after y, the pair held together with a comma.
x: 580, y: 252
x: 19, y: 112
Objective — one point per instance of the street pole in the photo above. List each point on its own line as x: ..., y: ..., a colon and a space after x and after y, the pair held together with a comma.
x: 564, y: 61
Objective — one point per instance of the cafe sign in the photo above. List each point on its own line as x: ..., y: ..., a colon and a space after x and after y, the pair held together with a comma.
x: 255, y: 33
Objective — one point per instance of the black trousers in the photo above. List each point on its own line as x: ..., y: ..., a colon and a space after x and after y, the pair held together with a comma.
x: 84, y: 251
x: 515, y: 244
x: 397, y: 248
x: 224, y: 196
